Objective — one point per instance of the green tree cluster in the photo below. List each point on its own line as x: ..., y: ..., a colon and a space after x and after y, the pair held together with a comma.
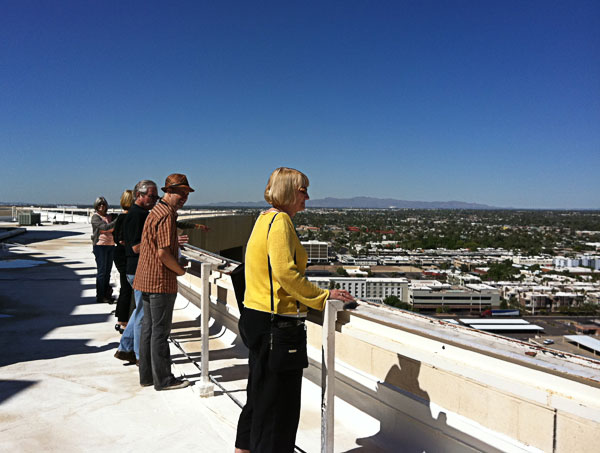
x: 341, y: 271
x: 502, y: 271
x: 394, y: 301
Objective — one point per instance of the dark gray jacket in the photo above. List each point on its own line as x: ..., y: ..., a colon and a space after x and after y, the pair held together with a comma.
x: 100, y: 225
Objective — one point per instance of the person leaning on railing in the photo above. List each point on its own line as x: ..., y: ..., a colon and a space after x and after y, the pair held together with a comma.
x: 275, y: 283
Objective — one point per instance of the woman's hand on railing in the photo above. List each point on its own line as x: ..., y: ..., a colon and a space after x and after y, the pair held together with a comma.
x: 340, y: 294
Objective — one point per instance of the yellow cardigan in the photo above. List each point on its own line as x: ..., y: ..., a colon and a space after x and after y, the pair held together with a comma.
x: 289, y: 283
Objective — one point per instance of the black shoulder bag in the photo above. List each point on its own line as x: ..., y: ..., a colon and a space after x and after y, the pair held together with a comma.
x: 238, y: 280
x: 287, y: 342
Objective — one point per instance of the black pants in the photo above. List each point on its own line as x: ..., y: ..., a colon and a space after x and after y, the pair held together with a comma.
x: 269, y: 420
x: 125, y: 295
x: 104, y: 261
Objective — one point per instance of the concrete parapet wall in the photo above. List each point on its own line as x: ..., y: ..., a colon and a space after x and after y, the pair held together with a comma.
x: 226, y: 232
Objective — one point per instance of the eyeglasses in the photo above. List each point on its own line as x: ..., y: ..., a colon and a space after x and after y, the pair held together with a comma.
x: 304, y: 190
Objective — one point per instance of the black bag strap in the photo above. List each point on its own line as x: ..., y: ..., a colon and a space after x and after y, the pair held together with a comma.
x: 270, y: 270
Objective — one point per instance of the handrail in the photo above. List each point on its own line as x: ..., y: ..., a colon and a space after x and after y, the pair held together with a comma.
x: 206, y: 387
x: 198, y: 255
x: 328, y: 374
x: 207, y: 262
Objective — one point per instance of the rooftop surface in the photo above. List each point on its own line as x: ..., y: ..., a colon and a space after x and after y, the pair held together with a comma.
x: 60, y: 386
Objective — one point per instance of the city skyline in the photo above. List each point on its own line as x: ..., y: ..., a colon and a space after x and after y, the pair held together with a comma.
x: 489, y: 103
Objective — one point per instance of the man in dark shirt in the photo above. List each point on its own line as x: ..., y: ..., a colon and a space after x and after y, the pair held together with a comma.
x: 146, y: 194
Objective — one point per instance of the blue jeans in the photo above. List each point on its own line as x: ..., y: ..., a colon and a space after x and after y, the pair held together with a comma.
x: 104, y: 259
x: 155, y: 361
x: 130, y: 340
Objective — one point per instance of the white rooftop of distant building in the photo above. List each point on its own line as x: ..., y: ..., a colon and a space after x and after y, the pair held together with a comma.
x: 479, y: 286
x: 508, y: 327
x: 585, y: 340
x: 478, y: 321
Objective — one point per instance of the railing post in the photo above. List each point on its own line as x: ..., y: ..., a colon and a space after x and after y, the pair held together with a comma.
x: 206, y: 387
x: 328, y: 375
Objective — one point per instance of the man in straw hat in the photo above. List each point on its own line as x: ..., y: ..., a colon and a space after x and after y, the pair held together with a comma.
x: 156, y: 277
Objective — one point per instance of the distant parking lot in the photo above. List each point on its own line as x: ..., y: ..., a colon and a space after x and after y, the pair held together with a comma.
x: 555, y: 327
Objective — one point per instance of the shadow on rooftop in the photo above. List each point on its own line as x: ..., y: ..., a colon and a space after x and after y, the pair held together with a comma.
x: 10, y: 388
x: 32, y: 236
x: 39, y: 300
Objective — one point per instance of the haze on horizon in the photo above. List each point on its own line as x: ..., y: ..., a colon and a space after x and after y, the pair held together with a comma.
x: 490, y: 103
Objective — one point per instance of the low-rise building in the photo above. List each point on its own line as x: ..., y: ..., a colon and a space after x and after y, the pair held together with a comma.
x: 532, y: 260
x: 317, y: 251
x: 459, y: 278
x: 358, y: 261
x: 433, y: 294
x: 371, y: 289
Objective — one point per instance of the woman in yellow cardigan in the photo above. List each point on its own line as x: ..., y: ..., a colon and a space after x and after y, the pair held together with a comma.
x: 275, y: 265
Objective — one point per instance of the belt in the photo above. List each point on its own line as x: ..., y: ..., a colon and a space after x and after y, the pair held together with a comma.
x: 290, y: 323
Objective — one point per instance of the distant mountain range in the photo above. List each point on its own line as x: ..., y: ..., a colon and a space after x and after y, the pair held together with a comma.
x: 366, y: 203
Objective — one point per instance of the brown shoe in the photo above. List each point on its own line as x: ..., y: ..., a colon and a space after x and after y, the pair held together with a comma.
x: 176, y: 384
x: 127, y: 356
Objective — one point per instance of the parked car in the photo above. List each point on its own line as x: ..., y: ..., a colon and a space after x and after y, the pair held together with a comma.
x: 548, y: 341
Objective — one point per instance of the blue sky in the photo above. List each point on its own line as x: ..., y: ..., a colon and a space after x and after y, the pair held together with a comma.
x: 494, y: 102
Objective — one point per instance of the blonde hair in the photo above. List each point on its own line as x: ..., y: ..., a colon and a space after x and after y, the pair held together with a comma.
x: 282, y: 186
x: 127, y: 199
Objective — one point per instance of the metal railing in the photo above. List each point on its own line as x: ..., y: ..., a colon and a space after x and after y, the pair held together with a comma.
x: 201, y: 264
x: 208, y: 262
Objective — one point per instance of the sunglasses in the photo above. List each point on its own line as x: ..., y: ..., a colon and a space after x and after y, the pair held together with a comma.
x: 304, y: 190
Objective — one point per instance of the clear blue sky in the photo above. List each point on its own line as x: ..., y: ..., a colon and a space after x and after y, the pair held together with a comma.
x: 494, y: 102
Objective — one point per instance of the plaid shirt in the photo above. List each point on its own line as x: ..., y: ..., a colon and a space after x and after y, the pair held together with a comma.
x: 160, y: 231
